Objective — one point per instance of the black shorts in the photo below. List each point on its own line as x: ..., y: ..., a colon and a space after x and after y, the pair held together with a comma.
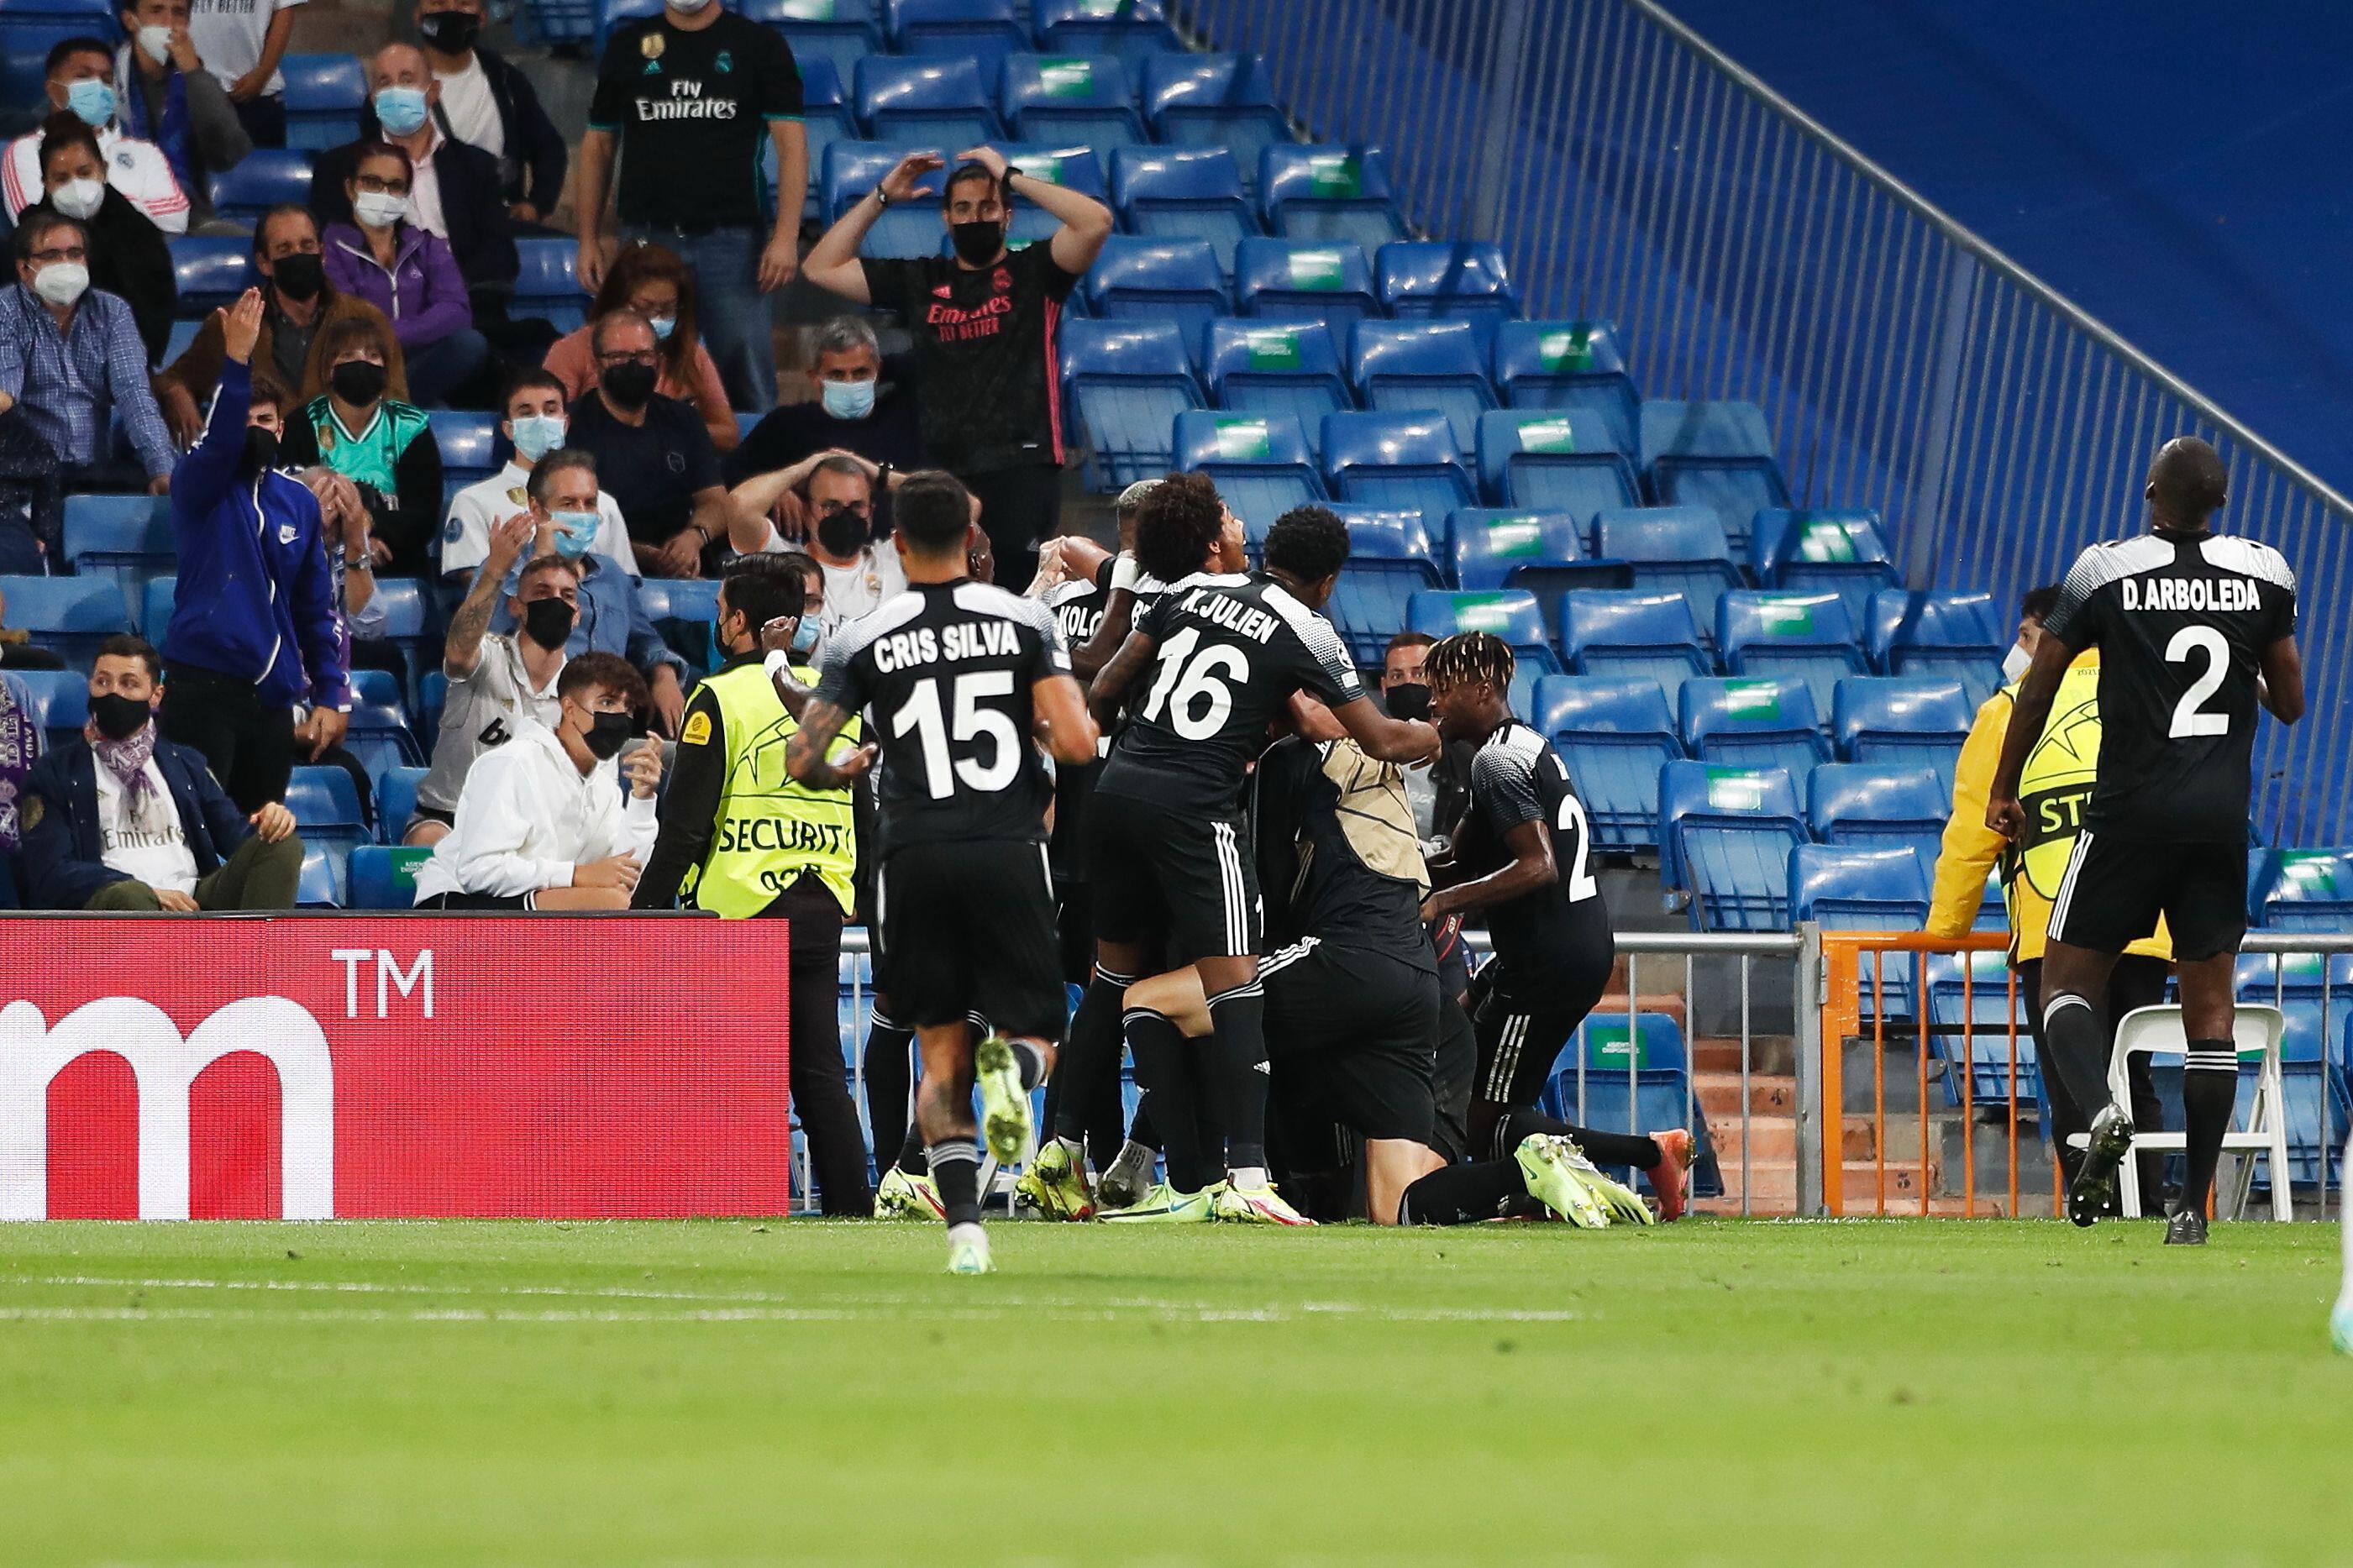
x: 1352, y: 1038
x: 1457, y: 1070
x: 968, y: 928
x: 2114, y: 888
x: 1522, y: 1023
x: 1161, y: 873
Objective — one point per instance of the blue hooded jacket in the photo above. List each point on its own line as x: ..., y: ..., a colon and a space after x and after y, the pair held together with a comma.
x: 256, y: 600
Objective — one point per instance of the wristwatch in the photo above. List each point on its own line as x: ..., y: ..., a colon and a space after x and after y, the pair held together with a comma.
x: 881, y: 196
x: 365, y: 563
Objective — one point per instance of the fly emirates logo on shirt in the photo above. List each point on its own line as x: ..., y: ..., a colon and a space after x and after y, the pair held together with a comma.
x: 952, y: 323
x: 685, y: 102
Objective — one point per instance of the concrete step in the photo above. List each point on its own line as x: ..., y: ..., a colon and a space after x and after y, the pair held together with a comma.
x: 1767, y: 1053
x: 1768, y: 1095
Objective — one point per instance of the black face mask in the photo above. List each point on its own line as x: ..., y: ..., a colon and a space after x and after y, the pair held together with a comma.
x: 843, y: 531
x: 357, y: 381
x: 608, y: 734
x: 1407, y: 700
x: 451, y: 32
x: 629, y: 384
x: 300, y: 276
x: 260, y: 450
x: 548, y: 622
x: 117, y: 717
x: 976, y: 244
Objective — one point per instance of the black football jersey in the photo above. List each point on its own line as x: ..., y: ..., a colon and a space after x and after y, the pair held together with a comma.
x: 1337, y: 859
x: 2182, y: 626
x: 1517, y: 777
x: 1078, y: 610
x: 1231, y: 650
x: 941, y: 673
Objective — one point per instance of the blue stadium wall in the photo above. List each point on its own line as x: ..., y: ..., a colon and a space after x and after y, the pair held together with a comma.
x: 2206, y: 225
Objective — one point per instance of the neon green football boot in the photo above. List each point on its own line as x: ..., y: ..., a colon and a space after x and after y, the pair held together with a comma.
x: 1004, y: 1103
x: 1549, y: 1164
x: 1164, y: 1204
x: 1256, y: 1206
x: 899, y: 1195
x: 1054, y: 1185
x: 1625, y: 1205
x: 968, y: 1250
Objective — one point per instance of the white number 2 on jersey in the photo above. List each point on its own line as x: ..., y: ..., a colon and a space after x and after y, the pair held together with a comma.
x: 1196, y: 702
x: 2188, y: 720
x: 1581, y: 885
x: 973, y: 722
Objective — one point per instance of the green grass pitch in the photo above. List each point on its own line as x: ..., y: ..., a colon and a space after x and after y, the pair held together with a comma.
x: 1944, y: 1392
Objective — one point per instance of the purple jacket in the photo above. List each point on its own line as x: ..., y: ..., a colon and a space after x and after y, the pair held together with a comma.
x: 423, y: 293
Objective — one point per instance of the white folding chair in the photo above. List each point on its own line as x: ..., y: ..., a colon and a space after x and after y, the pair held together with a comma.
x: 2150, y: 1030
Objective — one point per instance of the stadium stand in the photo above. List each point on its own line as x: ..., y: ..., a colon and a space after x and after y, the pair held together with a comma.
x: 1614, y: 734
x: 1275, y: 367
x: 1124, y: 383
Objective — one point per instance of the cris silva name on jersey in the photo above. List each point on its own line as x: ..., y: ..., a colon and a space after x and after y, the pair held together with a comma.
x: 963, y: 640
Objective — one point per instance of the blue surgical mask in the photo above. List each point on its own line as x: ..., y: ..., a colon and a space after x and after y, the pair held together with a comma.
x: 663, y: 327
x: 92, y: 100
x: 849, y: 399
x: 574, y: 532
x: 804, y: 637
x: 537, y: 435
x: 400, y: 110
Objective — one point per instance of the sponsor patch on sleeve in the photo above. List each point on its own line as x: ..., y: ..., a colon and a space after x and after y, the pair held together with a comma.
x: 698, y: 729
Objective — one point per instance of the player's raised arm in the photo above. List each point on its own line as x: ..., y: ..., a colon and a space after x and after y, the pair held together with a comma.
x: 1063, y: 723
x: 2281, y: 687
x: 1112, y: 680
x: 1386, y: 739
x: 805, y: 759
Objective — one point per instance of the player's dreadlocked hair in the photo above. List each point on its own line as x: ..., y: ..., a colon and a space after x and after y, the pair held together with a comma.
x: 1469, y: 656
x: 1176, y: 522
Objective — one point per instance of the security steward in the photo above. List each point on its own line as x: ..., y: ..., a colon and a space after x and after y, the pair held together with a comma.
x: 2055, y: 787
x: 742, y: 838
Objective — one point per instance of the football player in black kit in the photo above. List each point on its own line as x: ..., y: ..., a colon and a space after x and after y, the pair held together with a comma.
x: 1519, y: 857
x: 1208, y: 666
x: 2195, y: 629
x: 955, y: 678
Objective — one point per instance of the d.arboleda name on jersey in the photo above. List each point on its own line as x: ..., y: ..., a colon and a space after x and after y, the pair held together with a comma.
x: 2198, y: 595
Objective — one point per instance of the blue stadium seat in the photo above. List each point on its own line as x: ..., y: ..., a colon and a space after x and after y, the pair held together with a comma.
x: 559, y: 23
x: 1290, y: 280
x: 826, y: 118
x: 849, y: 169
x: 1839, y: 552
x: 936, y: 100
x: 211, y: 271
x: 1873, y: 803
x: 1081, y: 97
x: 984, y: 31
x: 1974, y: 988
x: 155, y: 607
x: 1276, y: 367
x: 324, y: 94
x: 1627, y: 634
x: 396, y: 801
x: 259, y: 181
x: 1403, y: 367
x: 1725, y: 836
x: 1451, y: 280
x: 2295, y: 976
x: 614, y: 14
x: 326, y: 807
x: 468, y: 443
x: 58, y: 703
x: 1614, y: 735
x: 1213, y: 100
x: 1492, y: 548
x: 1158, y: 280
x: 2297, y: 889
x: 1322, y: 192
x: 546, y: 284
x: 409, y: 622
x: 1567, y: 364
x: 1618, y: 1074
x: 1938, y: 633
x: 1805, y: 635
x: 128, y: 538
x: 70, y: 615
x: 1846, y: 887
x: 1917, y: 723
x: 1395, y: 461
x: 1130, y: 29
x: 1510, y: 614
x: 1554, y: 460
x: 1389, y: 561
x: 1680, y: 549
x: 381, y: 739
x: 1125, y: 383
x: 1260, y: 463
x: 324, y: 878
x: 1718, y: 454
x: 1182, y: 193
x: 378, y: 688
x: 1746, y: 723
x: 840, y: 32
x: 382, y: 877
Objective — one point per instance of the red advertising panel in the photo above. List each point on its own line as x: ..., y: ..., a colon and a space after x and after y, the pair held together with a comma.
x: 392, y: 1067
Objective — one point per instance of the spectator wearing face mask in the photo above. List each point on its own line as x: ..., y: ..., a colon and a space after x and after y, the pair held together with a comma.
x: 488, y: 102
x: 300, y: 311
x: 652, y: 452
x: 128, y: 257
x: 499, y: 682
x: 384, y: 446
x: 254, y: 629
x: 79, y: 73
x: 540, y: 824
x: 564, y: 494
x: 860, y: 402
x: 651, y: 281
x: 167, y: 96
x: 408, y: 272
x: 125, y: 820
x: 70, y: 358
x: 535, y: 423
x: 837, y: 495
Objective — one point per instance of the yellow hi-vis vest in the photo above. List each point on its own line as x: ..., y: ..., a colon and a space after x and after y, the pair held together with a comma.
x: 771, y: 828
x: 2055, y: 787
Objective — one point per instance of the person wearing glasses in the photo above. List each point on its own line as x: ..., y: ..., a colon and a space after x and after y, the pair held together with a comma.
x: 653, y: 453
x: 408, y: 272
x: 72, y: 357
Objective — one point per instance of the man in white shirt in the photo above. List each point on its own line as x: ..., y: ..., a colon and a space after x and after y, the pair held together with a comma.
x: 242, y: 42
x: 837, y: 491
x: 541, y: 823
x: 123, y: 820
x: 534, y: 424
x: 80, y: 80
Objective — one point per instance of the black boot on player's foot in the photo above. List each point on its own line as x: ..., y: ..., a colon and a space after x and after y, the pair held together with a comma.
x: 2096, y: 1184
x: 2186, y: 1227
